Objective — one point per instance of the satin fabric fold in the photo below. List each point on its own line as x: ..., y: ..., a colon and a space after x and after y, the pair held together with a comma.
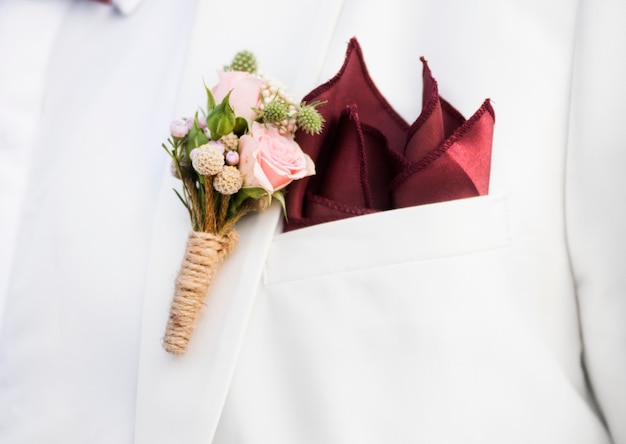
x: 369, y: 159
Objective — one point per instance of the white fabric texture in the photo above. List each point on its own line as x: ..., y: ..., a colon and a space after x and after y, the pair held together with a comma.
x: 68, y: 363
x: 596, y: 193
x: 390, y: 328
x: 495, y: 354
x: 22, y: 80
x: 485, y: 320
x: 399, y: 350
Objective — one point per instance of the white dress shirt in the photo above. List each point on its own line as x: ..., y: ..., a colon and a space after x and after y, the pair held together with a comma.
x: 25, y: 52
x: 94, y: 91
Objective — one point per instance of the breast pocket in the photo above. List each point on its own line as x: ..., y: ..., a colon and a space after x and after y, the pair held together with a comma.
x: 376, y: 314
x: 392, y: 237
x: 382, y: 328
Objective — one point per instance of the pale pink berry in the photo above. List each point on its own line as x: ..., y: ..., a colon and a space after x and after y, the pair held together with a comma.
x: 232, y: 157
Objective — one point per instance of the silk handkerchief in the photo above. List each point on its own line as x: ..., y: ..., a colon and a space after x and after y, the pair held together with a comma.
x: 369, y: 159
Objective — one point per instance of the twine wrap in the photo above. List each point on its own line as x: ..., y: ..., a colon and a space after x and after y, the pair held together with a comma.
x: 203, y: 255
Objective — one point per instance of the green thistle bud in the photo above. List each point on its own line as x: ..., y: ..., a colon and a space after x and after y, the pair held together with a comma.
x: 275, y: 112
x: 309, y: 119
x: 244, y: 61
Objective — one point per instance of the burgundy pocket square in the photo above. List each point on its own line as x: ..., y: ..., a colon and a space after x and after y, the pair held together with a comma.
x: 368, y: 158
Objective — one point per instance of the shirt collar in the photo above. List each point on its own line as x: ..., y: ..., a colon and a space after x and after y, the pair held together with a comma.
x: 126, y: 6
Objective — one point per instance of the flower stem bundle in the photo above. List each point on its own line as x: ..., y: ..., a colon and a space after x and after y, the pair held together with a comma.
x: 203, y: 255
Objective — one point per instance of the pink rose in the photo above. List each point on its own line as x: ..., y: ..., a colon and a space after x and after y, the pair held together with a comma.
x: 270, y: 160
x: 245, y: 95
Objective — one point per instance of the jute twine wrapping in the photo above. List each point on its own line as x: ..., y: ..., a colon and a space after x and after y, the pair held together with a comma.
x: 203, y: 256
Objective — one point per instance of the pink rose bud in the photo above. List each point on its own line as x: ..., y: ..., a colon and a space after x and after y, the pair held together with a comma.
x: 232, y: 157
x: 189, y: 122
x: 202, y: 122
x: 244, y: 89
x: 178, y: 128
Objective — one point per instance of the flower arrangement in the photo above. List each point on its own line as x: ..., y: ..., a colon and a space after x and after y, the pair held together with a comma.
x: 231, y: 158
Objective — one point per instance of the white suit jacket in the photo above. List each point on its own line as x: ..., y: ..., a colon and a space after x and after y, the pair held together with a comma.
x: 487, y: 320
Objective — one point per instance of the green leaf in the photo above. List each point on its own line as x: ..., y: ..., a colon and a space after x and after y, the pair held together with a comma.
x: 210, y: 100
x: 221, y: 120
x: 195, y: 137
x: 280, y: 197
x: 242, y: 195
x: 170, y: 153
x: 254, y: 193
x: 181, y: 199
x: 241, y: 126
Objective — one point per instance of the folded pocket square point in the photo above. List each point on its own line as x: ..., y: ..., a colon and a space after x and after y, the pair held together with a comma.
x: 370, y: 159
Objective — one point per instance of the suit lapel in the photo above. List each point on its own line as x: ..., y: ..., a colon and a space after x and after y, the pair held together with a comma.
x: 180, y: 399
